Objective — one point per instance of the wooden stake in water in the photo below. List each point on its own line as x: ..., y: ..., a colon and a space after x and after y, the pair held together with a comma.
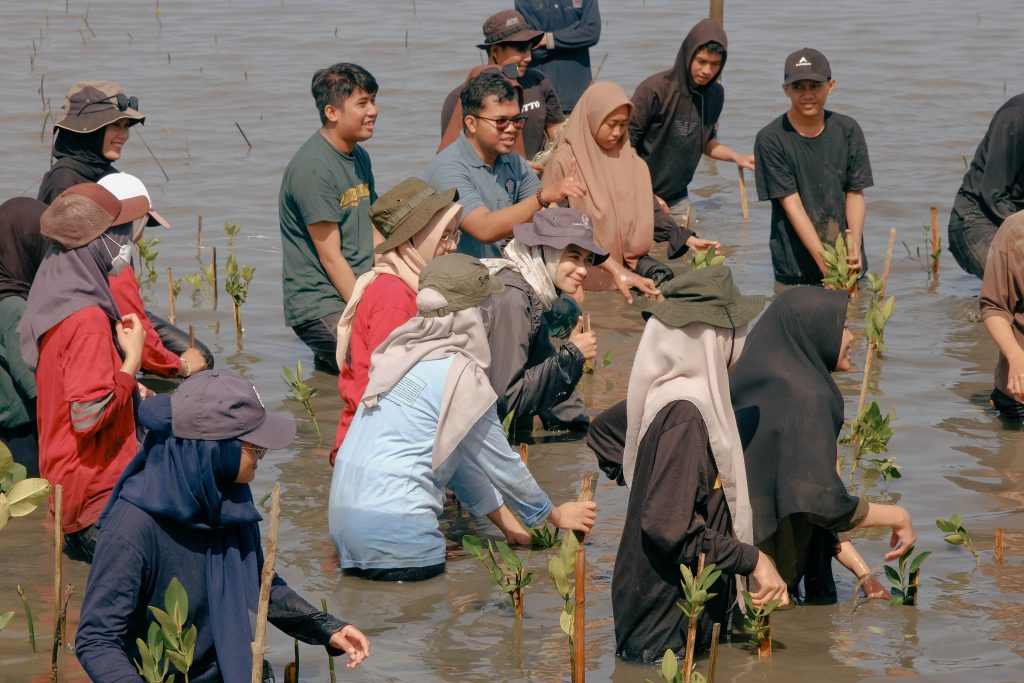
x: 743, y: 194
x: 191, y: 337
x: 330, y: 659
x: 689, y: 215
x: 244, y: 136
x: 259, y: 644
x: 579, y: 617
x: 935, y: 241
x: 864, y: 382
x: 199, y: 233
x: 764, y: 647
x: 999, y: 547
x: 215, y: 278
x: 888, y: 262
x: 588, y: 365
x: 717, y: 12
x: 915, y: 582
x: 170, y: 293
x: 524, y: 453
x: 713, y: 655
x: 58, y: 553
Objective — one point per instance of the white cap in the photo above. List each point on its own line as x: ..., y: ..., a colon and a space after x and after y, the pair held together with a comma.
x: 125, y: 186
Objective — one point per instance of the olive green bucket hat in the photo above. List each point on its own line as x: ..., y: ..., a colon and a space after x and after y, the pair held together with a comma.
x: 91, y: 105
x: 461, y: 279
x: 705, y: 295
x: 405, y: 209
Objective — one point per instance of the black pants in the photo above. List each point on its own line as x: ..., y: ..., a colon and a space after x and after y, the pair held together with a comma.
x: 81, y: 545
x: 175, y: 339
x: 1008, y: 408
x: 398, y: 573
x: 321, y: 336
x: 969, y: 240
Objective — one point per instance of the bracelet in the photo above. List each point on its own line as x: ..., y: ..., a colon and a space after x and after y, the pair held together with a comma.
x: 543, y: 204
x: 185, y: 370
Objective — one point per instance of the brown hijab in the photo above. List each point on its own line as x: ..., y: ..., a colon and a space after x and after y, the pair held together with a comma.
x: 619, y: 196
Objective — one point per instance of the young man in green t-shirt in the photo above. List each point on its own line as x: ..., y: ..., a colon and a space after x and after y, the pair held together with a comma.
x: 326, y: 233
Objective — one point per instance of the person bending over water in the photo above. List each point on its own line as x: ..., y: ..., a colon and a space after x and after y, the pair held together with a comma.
x: 1002, y: 311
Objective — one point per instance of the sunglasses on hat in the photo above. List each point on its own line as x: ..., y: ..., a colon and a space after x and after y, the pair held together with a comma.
x: 122, y: 101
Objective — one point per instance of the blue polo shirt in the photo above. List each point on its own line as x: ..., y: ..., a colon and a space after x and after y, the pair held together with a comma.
x: 509, y: 182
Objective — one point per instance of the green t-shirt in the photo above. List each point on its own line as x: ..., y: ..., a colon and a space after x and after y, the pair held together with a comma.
x: 322, y: 184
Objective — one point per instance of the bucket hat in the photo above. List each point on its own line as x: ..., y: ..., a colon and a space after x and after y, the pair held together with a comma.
x: 706, y: 295
x: 559, y: 227
x: 405, y: 209
x: 83, y: 212
x: 214, y: 405
x: 91, y: 105
x: 125, y: 186
x: 508, y: 26
x: 461, y: 279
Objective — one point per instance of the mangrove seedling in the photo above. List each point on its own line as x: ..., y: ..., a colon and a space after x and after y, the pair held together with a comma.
x: 870, y: 433
x: 696, y: 593
x: 148, y: 254
x: 905, y: 577
x: 875, y: 284
x: 887, y: 467
x: 232, y: 229
x: 607, y: 359
x: 507, y: 570
x: 541, y: 537
x: 301, y: 392
x: 671, y: 673
x: 508, y: 422
x: 28, y: 617
x: 237, y: 287
x: 875, y: 319
x: 708, y: 257
x: 755, y: 620
x: 562, y: 570
x: 956, y: 534
x: 929, y: 258
x: 154, y: 665
x: 177, y: 643
x: 18, y: 495
x: 838, y: 274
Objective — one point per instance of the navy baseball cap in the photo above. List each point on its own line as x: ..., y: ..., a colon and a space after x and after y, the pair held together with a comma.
x: 806, y: 65
x: 214, y: 405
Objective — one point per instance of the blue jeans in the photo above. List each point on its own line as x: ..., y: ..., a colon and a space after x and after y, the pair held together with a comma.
x: 969, y: 240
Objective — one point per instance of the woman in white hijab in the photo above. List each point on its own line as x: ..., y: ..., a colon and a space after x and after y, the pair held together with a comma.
x: 683, y: 463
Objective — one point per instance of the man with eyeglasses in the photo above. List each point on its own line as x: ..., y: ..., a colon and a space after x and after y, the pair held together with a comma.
x: 497, y: 188
x: 508, y: 42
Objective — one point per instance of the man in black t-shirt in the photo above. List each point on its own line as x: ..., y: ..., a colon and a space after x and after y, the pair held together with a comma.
x: 813, y: 165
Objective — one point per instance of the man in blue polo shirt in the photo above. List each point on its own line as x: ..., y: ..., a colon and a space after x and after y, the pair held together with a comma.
x: 497, y: 187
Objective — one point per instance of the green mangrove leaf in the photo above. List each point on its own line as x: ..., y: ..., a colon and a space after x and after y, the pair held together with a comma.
x: 26, y: 495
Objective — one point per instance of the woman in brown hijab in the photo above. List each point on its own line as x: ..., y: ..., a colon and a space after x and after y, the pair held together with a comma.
x: 595, y: 150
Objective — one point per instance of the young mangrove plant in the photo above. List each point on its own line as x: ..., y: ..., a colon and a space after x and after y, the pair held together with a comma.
x: 905, y: 578
x: 874, y: 322
x: 956, y: 534
x: 929, y: 258
x: 671, y: 673
x: 508, y: 422
x: 870, y: 434
x: 541, y: 537
x: 838, y: 273
x: 562, y: 570
x: 696, y: 593
x: 28, y: 617
x: 148, y: 254
x: 887, y: 467
x: 232, y: 229
x: 202, y: 282
x: 237, y: 287
x: 301, y: 392
x: 708, y: 257
x: 18, y: 495
x: 168, y: 640
x: 755, y: 620
x: 507, y: 570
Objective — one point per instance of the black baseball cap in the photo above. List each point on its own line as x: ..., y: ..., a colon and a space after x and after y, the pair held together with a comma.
x: 807, y: 65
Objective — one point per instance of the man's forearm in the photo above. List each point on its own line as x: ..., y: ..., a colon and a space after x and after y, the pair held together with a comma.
x: 340, y: 275
x: 804, y: 228
x: 1001, y: 332
x: 491, y: 226
x: 856, y: 210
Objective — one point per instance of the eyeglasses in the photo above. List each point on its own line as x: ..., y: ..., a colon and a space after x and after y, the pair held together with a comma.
x: 257, y: 451
x: 121, y: 101
x: 452, y: 239
x: 502, y: 124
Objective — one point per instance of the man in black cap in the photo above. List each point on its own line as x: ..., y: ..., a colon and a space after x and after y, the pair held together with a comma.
x: 813, y: 165
x: 508, y: 42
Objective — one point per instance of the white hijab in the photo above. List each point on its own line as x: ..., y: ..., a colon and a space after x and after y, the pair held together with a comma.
x: 689, y: 363
x: 536, y: 264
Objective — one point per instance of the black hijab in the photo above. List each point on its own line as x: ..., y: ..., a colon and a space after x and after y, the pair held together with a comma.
x: 789, y: 411
x: 79, y: 160
x: 21, y: 245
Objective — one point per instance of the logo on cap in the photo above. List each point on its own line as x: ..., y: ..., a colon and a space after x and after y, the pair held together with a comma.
x: 512, y: 21
x: 803, y: 62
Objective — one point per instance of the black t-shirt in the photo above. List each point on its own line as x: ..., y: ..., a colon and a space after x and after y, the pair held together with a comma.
x: 540, y: 105
x: 821, y: 170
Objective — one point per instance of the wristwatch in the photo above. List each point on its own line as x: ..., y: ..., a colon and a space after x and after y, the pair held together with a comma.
x: 543, y: 204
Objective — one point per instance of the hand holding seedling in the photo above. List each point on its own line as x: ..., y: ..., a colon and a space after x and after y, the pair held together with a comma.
x: 903, y: 535
x: 353, y: 642
x: 769, y: 585
x: 585, y: 341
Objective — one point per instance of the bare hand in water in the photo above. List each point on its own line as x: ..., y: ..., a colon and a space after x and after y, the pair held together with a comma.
x: 353, y: 642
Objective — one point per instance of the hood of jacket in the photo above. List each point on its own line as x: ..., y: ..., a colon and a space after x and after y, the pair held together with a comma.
x: 704, y: 32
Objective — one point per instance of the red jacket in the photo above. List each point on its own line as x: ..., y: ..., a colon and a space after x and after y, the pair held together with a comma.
x: 155, y: 358
x: 387, y: 303
x: 85, y: 417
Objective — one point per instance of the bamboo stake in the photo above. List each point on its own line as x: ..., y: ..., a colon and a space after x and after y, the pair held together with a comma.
x: 713, y: 656
x: 691, y: 630
x: 330, y: 659
x: 215, y: 278
x: 524, y: 453
x: 717, y: 12
x: 170, y: 293
x: 689, y: 215
x: 588, y: 366
x: 935, y: 240
x: 58, y: 554
x: 999, y: 547
x: 864, y: 382
x: 764, y: 648
x: 743, y: 194
x: 579, y: 628
x: 238, y: 320
x: 191, y: 337
x: 888, y: 262
x: 259, y: 644
x: 199, y: 233
x: 915, y: 581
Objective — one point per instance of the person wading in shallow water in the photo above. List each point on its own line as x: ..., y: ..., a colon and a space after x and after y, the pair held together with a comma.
x: 183, y: 509
x: 1002, y: 310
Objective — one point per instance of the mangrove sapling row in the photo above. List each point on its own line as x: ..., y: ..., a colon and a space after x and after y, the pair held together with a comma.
x: 755, y: 620
x: 301, y: 392
x: 708, y: 257
x: 906, y: 577
x: 168, y: 641
x: 237, y: 287
x: 838, y: 273
x: 956, y: 534
x: 562, y: 570
x: 148, y: 254
x: 507, y: 571
x: 696, y: 593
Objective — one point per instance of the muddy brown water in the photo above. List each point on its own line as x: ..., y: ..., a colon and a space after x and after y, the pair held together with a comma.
x: 921, y: 77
